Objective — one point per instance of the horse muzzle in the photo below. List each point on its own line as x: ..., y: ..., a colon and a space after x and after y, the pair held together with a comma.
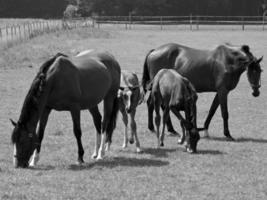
x: 256, y: 92
x: 20, y: 164
x: 128, y: 110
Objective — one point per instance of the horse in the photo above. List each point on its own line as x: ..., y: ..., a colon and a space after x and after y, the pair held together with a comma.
x: 175, y: 93
x: 68, y: 84
x: 129, y: 96
x: 217, y: 70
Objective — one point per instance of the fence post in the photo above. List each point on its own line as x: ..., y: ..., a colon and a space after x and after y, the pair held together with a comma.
x: 243, y: 24
x: 130, y: 20
x: 6, y: 33
x: 161, y: 23
x: 93, y: 22
x: 191, y: 21
x: 19, y: 33
x: 263, y: 22
x: 197, y: 20
x: 11, y: 32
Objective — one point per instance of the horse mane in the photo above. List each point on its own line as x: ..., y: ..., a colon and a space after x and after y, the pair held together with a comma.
x: 35, y: 91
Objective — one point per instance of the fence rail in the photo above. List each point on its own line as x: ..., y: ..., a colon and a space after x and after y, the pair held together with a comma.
x: 194, y: 22
x: 12, y: 34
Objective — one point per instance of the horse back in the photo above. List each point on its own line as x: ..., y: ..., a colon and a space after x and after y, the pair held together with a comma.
x: 168, y: 87
x: 83, y: 82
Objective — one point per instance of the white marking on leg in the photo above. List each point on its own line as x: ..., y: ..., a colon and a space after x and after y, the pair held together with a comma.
x: 97, y: 144
x: 35, y: 158
x: 125, y: 140
x: 15, y: 160
x: 107, y: 146
x: 101, y: 151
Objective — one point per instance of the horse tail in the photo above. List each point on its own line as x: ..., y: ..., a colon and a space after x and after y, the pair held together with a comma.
x: 145, y: 78
x: 113, y: 119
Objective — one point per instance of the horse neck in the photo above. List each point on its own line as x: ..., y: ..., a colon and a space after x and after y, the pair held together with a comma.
x: 190, y: 113
x: 33, y: 106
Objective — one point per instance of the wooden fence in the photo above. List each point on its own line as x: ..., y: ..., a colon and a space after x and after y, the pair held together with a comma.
x: 13, y: 34
x: 192, y: 22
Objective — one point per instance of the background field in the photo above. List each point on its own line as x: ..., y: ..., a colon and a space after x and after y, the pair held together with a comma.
x: 221, y: 169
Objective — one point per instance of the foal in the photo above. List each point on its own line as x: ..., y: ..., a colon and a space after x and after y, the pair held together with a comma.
x: 173, y: 92
x: 129, y: 96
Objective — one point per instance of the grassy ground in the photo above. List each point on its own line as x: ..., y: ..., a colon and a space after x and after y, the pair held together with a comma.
x: 221, y: 169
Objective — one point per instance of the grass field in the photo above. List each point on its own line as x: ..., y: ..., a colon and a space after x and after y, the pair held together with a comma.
x: 221, y: 169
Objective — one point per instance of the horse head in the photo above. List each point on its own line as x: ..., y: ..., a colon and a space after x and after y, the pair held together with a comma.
x: 24, y: 144
x: 253, y: 71
x: 130, y: 97
x: 254, y: 75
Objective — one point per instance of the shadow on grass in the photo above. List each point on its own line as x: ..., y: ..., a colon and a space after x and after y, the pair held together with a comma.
x: 161, y: 152
x: 43, y: 167
x: 210, y: 152
x: 120, y: 161
x: 242, y: 139
x: 251, y: 140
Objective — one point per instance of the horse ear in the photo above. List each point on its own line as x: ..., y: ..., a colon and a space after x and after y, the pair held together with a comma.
x: 13, y: 122
x: 260, y: 59
x: 245, y: 48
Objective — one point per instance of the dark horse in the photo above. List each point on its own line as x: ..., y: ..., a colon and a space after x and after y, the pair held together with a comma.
x: 69, y: 84
x: 217, y: 71
x: 175, y: 93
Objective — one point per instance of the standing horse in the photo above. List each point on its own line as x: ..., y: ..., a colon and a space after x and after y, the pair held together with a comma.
x: 173, y: 92
x: 217, y: 71
x: 129, y: 96
x: 68, y: 84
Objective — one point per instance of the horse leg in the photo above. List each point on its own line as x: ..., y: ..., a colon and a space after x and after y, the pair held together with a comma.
x: 134, y: 131
x: 176, y: 112
x: 97, y: 122
x: 169, y: 123
x: 224, y: 110
x: 150, y: 109
x: 125, y: 121
x: 40, y: 135
x: 157, y: 122
x: 108, y: 108
x: 76, y: 115
x: 212, y: 111
x: 166, y: 115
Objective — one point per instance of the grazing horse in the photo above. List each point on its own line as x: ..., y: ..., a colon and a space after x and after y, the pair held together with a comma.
x: 174, y: 93
x: 129, y: 96
x: 68, y: 84
x: 217, y: 71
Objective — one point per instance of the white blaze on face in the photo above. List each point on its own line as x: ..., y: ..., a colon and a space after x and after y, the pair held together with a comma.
x: 84, y: 52
x: 15, y: 160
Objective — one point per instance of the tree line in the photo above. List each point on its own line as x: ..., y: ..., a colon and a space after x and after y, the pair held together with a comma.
x: 55, y: 8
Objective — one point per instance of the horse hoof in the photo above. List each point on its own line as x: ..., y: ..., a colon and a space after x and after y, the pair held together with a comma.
x: 94, y: 156
x: 139, y: 150
x: 180, y: 141
x: 206, y: 134
x: 124, y: 146
x: 230, y: 138
x: 189, y: 150
x: 152, y: 130
x: 99, y: 158
x: 131, y: 141
x: 162, y: 144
